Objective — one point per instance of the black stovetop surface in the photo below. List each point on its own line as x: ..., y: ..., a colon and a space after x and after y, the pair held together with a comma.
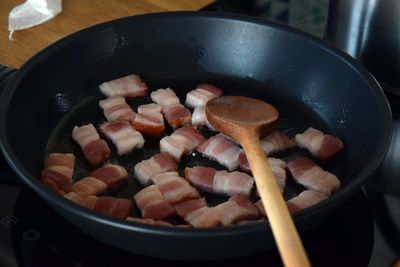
x: 364, y: 232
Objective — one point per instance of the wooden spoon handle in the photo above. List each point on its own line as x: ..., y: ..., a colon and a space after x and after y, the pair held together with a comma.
x: 288, y: 241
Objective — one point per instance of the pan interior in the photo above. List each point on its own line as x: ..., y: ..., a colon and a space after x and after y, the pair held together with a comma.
x: 294, y: 118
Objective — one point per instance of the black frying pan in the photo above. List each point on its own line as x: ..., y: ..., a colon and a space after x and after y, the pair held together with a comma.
x: 309, y: 82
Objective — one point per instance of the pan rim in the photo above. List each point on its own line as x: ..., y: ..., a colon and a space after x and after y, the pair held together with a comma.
x: 35, y: 184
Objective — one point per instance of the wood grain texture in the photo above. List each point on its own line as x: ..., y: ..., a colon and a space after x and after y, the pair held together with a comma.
x: 75, y: 16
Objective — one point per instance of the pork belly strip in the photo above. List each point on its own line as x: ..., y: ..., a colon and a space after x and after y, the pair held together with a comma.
x: 130, y: 86
x: 89, y: 186
x: 304, y: 200
x: 174, y: 188
x: 201, y: 95
x: 152, y: 203
x: 278, y: 168
x: 164, y: 97
x: 119, y: 208
x: 277, y: 142
x: 149, y: 221
x: 123, y: 135
x: 116, y: 108
x: 185, y: 207
x: 203, y: 217
x: 112, y: 175
x: 146, y: 169
x: 95, y: 150
x: 305, y: 172
x: 58, y: 171
x: 182, y: 141
x: 176, y: 115
x: 221, y: 149
x: 320, y: 145
x: 149, y: 120
x: 220, y: 182
x: 199, y: 118
x: 236, y: 209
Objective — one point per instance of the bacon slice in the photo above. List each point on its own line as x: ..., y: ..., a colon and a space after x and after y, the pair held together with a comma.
x: 58, y: 171
x: 159, y: 163
x: 119, y: 208
x: 175, y: 189
x: 149, y: 108
x: 153, y: 204
x: 116, y: 108
x: 94, y: 149
x: 201, y: 177
x: 114, y: 207
x: 130, y: 86
x: 220, y: 182
x: 201, y: 95
x: 304, y: 200
x: 89, y: 186
x: 182, y: 141
x: 149, y: 221
x: 149, y: 121
x: 221, y: 149
x: 278, y: 167
x: 176, y: 115
x: 174, y: 112
x: 112, y: 175
x: 323, y: 146
x: 199, y: 118
x: 164, y: 97
x: 203, y: 217
x: 184, y: 208
x: 237, y: 208
x: 123, y: 135
x: 307, y: 173
x: 276, y: 142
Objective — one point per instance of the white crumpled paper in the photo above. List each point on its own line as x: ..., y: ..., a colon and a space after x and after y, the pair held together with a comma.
x: 31, y: 13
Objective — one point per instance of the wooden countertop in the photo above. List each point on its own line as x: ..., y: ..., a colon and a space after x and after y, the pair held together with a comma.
x: 76, y: 15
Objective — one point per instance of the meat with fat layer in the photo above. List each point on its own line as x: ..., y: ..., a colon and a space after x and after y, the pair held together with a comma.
x: 130, y: 86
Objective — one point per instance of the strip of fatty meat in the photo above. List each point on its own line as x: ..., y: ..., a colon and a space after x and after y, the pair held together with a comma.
x: 116, y: 108
x: 174, y: 112
x: 149, y: 120
x: 221, y: 149
x: 182, y: 141
x: 277, y: 142
x: 164, y: 97
x: 203, y: 217
x: 320, y: 145
x: 174, y: 188
x: 186, y: 207
x: 199, y: 118
x: 112, y: 175
x: 149, y: 221
x: 201, y: 95
x: 236, y: 209
x: 305, y: 172
x: 220, y: 182
x: 89, y: 186
x: 119, y: 208
x: 95, y: 150
x: 152, y: 203
x: 159, y: 163
x: 123, y: 135
x: 130, y: 86
x: 58, y: 171
x: 304, y: 200
x: 278, y: 168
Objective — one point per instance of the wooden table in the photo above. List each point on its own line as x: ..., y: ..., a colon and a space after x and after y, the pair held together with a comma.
x: 76, y: 15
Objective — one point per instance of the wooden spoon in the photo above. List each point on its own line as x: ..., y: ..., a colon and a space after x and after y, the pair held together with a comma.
x: 246, y: 120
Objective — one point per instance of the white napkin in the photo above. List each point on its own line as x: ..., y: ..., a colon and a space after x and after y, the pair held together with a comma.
x: 31, y: 13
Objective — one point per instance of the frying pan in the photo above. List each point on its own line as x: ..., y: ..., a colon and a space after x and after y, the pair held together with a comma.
x: 306, y: 79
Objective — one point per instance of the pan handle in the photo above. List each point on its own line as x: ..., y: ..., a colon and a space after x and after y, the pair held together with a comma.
x: 7, y: 176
